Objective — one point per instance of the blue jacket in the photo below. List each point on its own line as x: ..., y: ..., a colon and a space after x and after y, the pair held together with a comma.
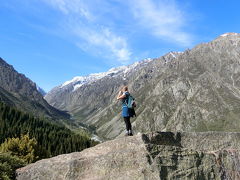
x: 125, y: 111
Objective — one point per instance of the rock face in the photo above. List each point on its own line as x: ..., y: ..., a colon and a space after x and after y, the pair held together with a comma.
x: 159, y: 155
x: 19, y: 91
x: 198, y: 90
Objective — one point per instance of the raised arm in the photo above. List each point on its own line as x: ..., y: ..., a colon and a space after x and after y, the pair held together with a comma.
x: 121, y: 95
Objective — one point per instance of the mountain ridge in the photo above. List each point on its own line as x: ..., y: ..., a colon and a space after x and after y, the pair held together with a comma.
x: 112, y: 71
x: 199, y: 90
x: 79, y: 81
x: 19, y: 91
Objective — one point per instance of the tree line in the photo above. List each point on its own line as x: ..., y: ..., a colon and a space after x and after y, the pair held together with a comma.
x: 53, y: 139
x: 25, y: 139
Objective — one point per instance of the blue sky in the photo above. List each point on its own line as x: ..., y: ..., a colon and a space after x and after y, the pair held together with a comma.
x: 51, y: 41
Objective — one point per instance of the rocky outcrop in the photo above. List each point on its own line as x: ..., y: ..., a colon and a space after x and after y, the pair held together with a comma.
x: 159, y: 155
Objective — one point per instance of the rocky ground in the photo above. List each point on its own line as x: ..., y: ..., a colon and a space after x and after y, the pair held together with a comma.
x: 158, y: 155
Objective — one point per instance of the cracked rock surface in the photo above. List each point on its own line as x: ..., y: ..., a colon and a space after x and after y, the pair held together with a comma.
x: 157, y: 155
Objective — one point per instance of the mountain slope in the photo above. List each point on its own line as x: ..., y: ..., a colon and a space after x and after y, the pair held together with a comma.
x: 19, y: 91
x: 53, y: 138
x: 67, y: 95
x: 198, y: 90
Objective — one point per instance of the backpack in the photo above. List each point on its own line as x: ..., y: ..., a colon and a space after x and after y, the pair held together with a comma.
x: 131, y: 105
x: 130, y: 102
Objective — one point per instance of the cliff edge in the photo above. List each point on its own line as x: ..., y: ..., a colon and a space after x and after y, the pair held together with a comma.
x: 157, y: 155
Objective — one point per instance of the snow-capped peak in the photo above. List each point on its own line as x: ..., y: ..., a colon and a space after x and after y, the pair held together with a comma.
x: 79, y: 81
x: 77, y: 78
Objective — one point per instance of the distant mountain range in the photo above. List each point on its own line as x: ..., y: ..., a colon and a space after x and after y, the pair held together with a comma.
x: 77, y: 83
x: 196, y: 90
x: 18, y: 91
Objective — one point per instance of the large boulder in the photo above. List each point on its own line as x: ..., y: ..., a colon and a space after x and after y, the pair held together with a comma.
x: 158, y: 155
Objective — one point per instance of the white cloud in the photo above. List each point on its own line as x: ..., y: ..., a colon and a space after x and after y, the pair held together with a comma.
x: 164, y: 19
x: 80, y: 20
x: 106, y: 40
x: 77, y: 7
x: 103, y: 27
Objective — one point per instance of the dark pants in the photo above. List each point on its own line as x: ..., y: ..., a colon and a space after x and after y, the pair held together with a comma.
x: 128, y: 123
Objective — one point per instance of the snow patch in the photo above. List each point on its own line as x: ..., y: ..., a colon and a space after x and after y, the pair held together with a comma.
x: 173, y: 55
x: 229, y: 34
x: 77, y: 86
x: 77, y: 78
x: 41, y: 90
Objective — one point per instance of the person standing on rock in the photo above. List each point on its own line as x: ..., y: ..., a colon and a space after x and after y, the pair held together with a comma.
x: 126, y: 114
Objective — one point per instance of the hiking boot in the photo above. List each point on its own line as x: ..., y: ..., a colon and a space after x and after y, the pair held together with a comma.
x: 130, y: 133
